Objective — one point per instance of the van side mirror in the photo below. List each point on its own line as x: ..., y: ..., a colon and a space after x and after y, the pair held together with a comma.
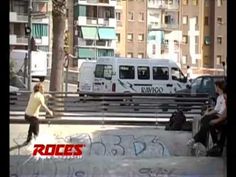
x: 185, y: 79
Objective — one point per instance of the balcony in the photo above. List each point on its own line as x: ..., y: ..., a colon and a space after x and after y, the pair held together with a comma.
x: 14, y: 17
x: 18, y: 40
x: 23, y: 40
x: 97, y: 2
x: 101, y: 44
x: 23, y: 18
x: 110, y: 22
x: 163, y: 6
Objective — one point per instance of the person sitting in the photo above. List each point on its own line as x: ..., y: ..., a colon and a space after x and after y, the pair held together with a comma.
x: 218, y: 126
x: 210, y: 117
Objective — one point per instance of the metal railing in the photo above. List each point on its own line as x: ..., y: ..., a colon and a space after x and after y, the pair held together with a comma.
x: 118, y: 107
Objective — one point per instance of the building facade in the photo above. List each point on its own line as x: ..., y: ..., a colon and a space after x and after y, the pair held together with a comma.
x: 164, y: 34
x: 204, y: 41
x: 131, y: 32
x: 19, y: 21
x: 94, y: 28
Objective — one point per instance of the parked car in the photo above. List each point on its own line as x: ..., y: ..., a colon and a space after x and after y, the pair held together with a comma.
x: 16, y: 85
x: 203, y: 85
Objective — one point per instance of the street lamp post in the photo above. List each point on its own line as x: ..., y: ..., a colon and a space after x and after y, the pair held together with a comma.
x: 29, y: 43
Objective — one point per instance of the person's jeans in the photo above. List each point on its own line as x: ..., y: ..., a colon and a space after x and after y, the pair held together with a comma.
x: 33, y: 128
x: 202, y: 134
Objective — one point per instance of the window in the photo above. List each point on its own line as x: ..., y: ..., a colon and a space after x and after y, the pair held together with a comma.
x: 130, y: 37
x: 207, y: 84
x: 129, y: 55
x: 219, y: 40
x: 118, y: 37
x: 195, y: 2
x: 219, y: 3
x: 185, y: 20
x: 218, y: 59
x: 118, y: 16
x: 207, y: 40
x: 103, y: 71
x: 196, y: 20
x: 206, y: 60
x: 206, y: 21
x: 184, y: 59
x: 140, y: 55
x: 185, y: 2
x: 154, y: 49
x: 169, y: 19
x: 131, y: 16
x: 185, y: 39
x: 126, y: 72
x: 160, y: 73
x: 219, y: 20
x: 143, y: 72
x: 21, y: 7
x: 196, y: 84
x: 176, y: 74
x: 141, y: 37
x: 169, y: 2
x: 141, y: 16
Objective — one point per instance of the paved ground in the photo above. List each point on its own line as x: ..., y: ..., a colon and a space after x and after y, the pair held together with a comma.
x: 112, y: 151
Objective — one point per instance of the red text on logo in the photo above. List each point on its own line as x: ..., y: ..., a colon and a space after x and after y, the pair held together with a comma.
x: 58, y: 149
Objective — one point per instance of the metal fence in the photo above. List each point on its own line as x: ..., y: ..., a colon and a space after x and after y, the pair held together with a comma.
x: 115, y: 107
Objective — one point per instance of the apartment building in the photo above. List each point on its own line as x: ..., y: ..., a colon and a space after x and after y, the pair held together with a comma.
x: 40, y: 24
x: 131, y: 31
x: 94, y: 28
x: 164, y: 34
x: 204, y: 40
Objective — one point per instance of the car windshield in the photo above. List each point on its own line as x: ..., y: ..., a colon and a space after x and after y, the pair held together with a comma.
x: 196, y: 83
x: 18, y: 82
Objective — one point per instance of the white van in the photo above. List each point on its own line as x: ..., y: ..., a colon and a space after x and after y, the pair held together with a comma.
x: 38, y: 62
x: 120, y: 75
x: 86, y: 76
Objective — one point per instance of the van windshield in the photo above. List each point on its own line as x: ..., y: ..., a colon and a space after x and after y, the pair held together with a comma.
x: 103, y: 71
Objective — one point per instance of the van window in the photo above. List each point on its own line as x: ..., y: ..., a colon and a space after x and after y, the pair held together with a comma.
x: 103, y: 71
x: 126, y: 72
x: 176, y: 74
x: 160, y: 73
x: 143, y: 72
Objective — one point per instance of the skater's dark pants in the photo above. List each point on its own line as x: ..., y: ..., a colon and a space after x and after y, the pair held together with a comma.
x: 34, y: 126
x: 202, y: 134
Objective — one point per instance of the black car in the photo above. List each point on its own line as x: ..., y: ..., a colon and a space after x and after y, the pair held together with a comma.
x: 203, y: 85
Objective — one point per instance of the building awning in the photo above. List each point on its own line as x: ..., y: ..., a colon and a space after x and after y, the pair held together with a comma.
x: 107, y: 33
x: 86, y: 53
x: 89, y: 33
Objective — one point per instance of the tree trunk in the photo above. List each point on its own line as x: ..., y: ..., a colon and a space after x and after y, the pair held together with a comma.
x: 58, y: 54
x: 56, y: 79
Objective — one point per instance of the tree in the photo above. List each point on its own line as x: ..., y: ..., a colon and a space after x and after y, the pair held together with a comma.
x: 58, y: 15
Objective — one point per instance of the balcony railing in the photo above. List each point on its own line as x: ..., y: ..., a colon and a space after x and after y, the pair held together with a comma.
x: 97, y: 21
x: 163, y: 6
x: 21, y: 40
x: 99, y: 44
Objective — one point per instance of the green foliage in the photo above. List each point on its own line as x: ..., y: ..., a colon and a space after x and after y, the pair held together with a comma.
x: 59, y: 7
